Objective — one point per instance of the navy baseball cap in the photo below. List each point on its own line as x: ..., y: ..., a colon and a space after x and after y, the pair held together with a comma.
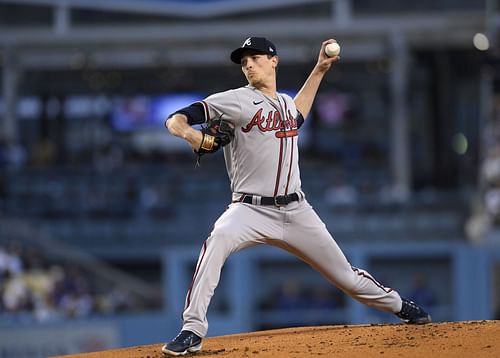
x: 258, y: 44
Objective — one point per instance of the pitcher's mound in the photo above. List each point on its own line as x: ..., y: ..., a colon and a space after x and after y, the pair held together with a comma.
x: 458, y: 339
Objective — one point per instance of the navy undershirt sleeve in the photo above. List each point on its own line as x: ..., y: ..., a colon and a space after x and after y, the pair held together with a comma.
x: 195, y: 113
x: 300, y: 119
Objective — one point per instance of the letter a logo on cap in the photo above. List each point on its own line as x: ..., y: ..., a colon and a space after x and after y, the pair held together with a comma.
x: 247, y: 42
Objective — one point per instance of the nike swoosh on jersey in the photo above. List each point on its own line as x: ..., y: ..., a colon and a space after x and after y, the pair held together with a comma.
x: 257, y: 102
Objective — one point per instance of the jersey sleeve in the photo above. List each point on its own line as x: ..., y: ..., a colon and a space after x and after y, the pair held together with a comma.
x: 225, y: 104
x: 294, y: 110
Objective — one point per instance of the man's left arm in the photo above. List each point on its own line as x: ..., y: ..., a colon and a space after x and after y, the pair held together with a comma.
x: 305, y: 97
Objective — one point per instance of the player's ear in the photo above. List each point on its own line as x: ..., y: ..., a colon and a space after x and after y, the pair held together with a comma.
x: 275, y: 61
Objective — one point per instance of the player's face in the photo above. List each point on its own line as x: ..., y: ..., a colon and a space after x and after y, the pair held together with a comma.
x: 259, y: 69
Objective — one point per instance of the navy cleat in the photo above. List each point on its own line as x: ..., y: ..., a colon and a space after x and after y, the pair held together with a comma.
x: 185, y: 342
x: 412, y: 313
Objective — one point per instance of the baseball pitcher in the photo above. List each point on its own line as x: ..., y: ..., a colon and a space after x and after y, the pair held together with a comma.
x: 258, y: 129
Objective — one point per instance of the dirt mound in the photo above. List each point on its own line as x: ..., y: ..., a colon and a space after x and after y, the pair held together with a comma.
x: 458, y: 339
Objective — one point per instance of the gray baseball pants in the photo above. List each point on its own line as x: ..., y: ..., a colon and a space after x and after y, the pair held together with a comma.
x: 295, y: 228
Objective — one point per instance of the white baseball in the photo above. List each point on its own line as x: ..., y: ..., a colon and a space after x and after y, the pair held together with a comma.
x: 332, y: 49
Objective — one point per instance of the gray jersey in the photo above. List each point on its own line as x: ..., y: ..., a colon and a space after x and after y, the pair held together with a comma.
x: 263, y: 157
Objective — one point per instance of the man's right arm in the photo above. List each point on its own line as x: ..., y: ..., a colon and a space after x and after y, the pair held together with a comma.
x: 178, y: 125
x: 305, y: 97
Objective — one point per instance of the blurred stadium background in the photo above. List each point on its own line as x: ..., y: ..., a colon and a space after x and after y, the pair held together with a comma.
x: 102, y: 212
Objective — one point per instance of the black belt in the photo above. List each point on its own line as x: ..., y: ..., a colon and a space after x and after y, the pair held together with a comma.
x: 280, y: 200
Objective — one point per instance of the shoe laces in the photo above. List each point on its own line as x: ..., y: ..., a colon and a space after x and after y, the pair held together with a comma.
x: 410, y: 309
x: 184, y: 337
